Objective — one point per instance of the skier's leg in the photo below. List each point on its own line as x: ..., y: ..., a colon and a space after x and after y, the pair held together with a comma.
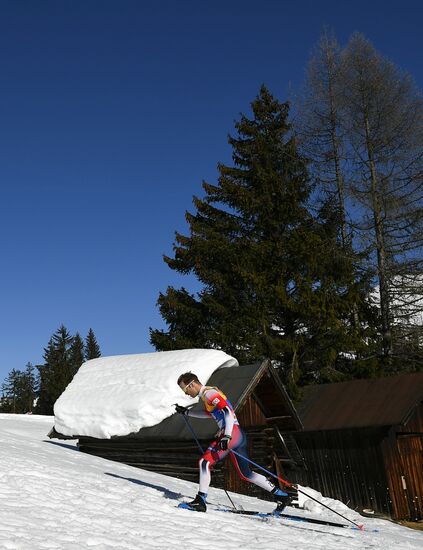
x: 206, y: 462
x: 242, y: 466
x: 239, y: 444
x: 205, y: 475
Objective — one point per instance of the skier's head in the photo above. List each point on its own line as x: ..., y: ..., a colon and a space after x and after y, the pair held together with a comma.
x: 189, y: 384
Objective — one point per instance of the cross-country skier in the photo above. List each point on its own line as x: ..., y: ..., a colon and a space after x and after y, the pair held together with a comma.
x: 230, y: 436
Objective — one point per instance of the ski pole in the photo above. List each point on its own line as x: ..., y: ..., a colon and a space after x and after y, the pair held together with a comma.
x: 202, y: 452
x: 288, y: 484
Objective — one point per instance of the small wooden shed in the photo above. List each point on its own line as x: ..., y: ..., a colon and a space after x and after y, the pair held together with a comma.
x: 363, y: 443
x: 263, y: 408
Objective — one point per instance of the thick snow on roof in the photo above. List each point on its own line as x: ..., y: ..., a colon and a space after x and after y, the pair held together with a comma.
x: 120, y: 395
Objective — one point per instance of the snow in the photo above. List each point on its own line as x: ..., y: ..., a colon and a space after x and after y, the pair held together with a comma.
x: 119, y: 395
x: 54, y: 497
x: 406, y: 295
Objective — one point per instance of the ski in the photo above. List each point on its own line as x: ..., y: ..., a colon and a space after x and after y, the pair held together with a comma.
x: 292, y: 517
x: 285, y: 516
x: 289, y: 517
x: 266, y: 517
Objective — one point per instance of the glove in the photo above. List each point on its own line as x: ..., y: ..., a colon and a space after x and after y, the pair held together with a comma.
x: 181, y: 410
x: 224, y: 442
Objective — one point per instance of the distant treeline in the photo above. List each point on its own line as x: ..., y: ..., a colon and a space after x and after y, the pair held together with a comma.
x: 36, y: 388
x: 309, y: 245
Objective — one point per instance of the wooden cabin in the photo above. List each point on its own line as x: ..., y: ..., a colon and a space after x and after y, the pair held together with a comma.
x: 363, y: 443
x: 263, y: 408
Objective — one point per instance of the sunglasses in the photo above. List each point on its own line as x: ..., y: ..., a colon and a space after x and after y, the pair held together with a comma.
x: 187, y: 386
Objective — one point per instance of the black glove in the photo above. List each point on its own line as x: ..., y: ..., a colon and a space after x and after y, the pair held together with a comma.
x: 181, y: 410
x: 224, y: 442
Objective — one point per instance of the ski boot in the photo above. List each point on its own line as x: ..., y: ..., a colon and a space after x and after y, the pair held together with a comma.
x: 198, y: 504
x: 282, y: 500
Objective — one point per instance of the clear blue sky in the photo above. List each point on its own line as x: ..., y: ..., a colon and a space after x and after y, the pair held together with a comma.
x: 111, y: 114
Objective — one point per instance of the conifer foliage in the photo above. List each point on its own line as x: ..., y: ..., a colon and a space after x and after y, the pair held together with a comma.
x: 25, y: 391
x: 57, y: 370
x: 92, y: 349
x: 19, y: 391
x: 276, y: 282
x: 63, y: 356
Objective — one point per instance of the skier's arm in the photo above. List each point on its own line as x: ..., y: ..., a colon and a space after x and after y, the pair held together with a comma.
x: 198, y: 414
x: 229, y: 421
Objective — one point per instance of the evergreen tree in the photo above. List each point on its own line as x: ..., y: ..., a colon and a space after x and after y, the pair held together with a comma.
x: 10, y: 391
x: 273, y: 285
x: 92, y: 349
x: 28, y: 388
x: 57, y: 370
x: 19, y: 391
x: 76, y: 353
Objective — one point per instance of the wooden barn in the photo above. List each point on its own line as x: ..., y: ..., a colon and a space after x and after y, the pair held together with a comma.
x: 264, y: 411
x: 363, y: 443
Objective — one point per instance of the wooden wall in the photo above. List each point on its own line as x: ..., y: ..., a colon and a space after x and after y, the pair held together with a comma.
x: 403, y: 458
x: 377, y: 468
x: 174, y: 458
x: 346, y: 465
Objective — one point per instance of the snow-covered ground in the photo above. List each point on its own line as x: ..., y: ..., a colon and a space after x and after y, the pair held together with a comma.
x: 54, y: 497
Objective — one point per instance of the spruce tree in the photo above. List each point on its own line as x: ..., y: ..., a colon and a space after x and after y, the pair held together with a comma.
x: 10, y: 388
x: 19, y: 391
x: 28, y: 388
x: 272, y: 286
x: 92, y: 349
x: 57, y: 370
x: 76, y: 353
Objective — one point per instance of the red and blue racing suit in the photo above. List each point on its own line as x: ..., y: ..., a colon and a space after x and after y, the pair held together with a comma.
x: 219, y: 407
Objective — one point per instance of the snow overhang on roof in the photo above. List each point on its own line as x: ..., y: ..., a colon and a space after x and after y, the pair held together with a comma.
x: 119, y: 395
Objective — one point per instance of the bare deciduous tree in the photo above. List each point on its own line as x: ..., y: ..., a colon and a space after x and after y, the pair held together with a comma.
x: 319, y: 123
x: 360, y: 122
x: 383, y: 118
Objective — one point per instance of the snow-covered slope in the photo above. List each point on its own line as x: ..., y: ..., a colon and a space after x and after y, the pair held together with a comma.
x: 121, y: 394
x: 54, y: 497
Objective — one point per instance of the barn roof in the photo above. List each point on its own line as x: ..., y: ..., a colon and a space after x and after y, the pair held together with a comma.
x: 237, y: 383
x: 361, y: 403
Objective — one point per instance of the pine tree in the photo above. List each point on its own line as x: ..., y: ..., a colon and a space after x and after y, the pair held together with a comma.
x: 272, y: 285
x: 92, y: 349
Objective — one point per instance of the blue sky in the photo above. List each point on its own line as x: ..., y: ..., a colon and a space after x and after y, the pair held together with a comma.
x: 111, y: 115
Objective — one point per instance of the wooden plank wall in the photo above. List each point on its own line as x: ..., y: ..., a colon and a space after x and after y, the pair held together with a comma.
x: 173, y: 458
x: 403, y: 456
x: 346, y: 465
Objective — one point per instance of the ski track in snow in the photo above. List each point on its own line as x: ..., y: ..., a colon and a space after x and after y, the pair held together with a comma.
x: 54, y: 497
